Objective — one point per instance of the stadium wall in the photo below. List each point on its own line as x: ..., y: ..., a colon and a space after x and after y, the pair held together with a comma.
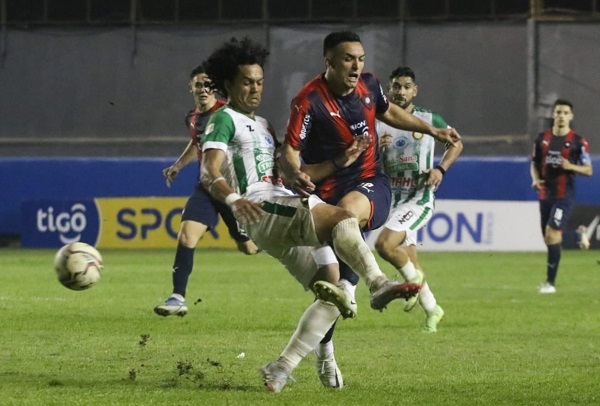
x: 483, y: 204
x: 110, y: 85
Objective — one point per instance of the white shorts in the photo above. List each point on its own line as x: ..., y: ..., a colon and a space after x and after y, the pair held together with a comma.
x: 409, y: 217
x: 287, y: 232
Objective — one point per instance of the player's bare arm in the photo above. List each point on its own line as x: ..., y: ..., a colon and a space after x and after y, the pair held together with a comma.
x: 187, y: 156
x: 536, y: 181
x: 399, y: 118
x: 212, y: 179
x: 585, y: 169
x: 301, y: 177
x: 451, y: 153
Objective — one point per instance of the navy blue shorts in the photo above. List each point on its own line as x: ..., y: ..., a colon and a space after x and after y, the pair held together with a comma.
x: 201, y: 207
x: 555, y: 213
x: 377, y: 189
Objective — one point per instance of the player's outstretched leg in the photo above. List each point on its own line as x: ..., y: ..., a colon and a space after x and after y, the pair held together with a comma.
x: 354, y: 251
x: 391, y: 290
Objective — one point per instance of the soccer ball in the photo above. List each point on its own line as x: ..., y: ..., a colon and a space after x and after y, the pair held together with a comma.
x: 78, y: 266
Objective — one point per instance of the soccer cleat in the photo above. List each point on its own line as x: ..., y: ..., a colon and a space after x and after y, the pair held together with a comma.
x: 391, y: 290
x: 584, y: 241
x: 337, y: 295
x: 546, y: 288
x: 433, y: 319
x: 172, y: 307
x: 412, y: 301
x: 329, y: 373
x: 274, y: 376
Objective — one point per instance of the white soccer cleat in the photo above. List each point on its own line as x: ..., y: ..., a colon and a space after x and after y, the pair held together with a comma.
x: 329, y: 373
x: 172, y: 307
x: 584, y: 240
x: 275, y: 376
x: 547, y: 288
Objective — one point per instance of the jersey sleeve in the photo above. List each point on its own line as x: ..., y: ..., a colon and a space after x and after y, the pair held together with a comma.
x: 381, y: 102
x: 438, y: 121
x: 299, y: 124
x: 584, y: 153
x: 219, y: 131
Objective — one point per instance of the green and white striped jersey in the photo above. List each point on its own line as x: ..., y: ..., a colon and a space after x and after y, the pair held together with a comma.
x: 249, y: 145
x: 408, y: 156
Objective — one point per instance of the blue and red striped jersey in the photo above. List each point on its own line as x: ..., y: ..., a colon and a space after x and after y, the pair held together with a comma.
x: 323, y: 125
x: 548, y: 152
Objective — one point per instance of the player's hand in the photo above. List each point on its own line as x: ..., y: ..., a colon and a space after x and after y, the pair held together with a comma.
x: 170, y: 174
x: 446, y: 135
x: 247, y: 211
x: 301, y: 183
x: 537, y: 185
x: 434, y: 178
x: 385, y: 140
x: 351, y: 154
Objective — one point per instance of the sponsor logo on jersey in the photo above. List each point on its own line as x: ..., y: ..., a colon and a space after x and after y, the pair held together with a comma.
x: 553, y: 159
x: 400, y: 142
x: 404, y: 182
x: 264, y: 162
x: 305, y: 126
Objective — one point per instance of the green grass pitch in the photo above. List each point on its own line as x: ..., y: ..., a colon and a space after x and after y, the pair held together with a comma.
x: 501, y: 343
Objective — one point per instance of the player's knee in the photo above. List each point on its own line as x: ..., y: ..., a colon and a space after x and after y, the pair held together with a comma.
x: 383, y: 247
x: 188, y: 239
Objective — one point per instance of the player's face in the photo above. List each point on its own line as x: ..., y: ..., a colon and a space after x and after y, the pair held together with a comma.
x: 344, y: 66
x: 562, y: 116
x: 200, y: 88
x: 245, y: 91
x: 401, y: 91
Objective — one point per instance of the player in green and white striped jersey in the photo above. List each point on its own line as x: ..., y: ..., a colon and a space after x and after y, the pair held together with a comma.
x: 238, y: 168
x: 409, y: 162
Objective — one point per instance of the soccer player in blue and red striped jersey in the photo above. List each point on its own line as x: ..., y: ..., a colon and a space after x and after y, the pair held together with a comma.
x: 201, y: 210
x: 558, y: 155
x: 331, y: 147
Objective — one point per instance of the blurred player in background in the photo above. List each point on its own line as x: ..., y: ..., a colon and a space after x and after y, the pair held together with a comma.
x: 201, y: 210
x: 408, y: 161
x: 329, y: 113
x: 558, y: 155
x: 238, y: 168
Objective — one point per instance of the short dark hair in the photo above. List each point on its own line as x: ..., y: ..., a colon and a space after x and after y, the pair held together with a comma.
x: 333, y: 39
x: 198, y: 70
x: 223, y: 64
x: 403, y: 71
x: 562, y: 102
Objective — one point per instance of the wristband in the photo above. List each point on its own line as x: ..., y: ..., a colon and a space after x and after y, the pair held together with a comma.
x: 232, y: 198
x: 439, y: 168
x: 335, y: 165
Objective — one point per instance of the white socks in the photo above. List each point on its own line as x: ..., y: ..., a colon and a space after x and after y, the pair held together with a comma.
x: 312, y: 327
x: 409, y: 272
x: 354, y: 251
x: 426, y: 299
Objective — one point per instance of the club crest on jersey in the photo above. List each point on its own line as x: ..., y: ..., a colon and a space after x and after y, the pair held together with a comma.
x: 209, y: 128
x: 567, y: 144
x: 367, y: 101
x: 417, y: 136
